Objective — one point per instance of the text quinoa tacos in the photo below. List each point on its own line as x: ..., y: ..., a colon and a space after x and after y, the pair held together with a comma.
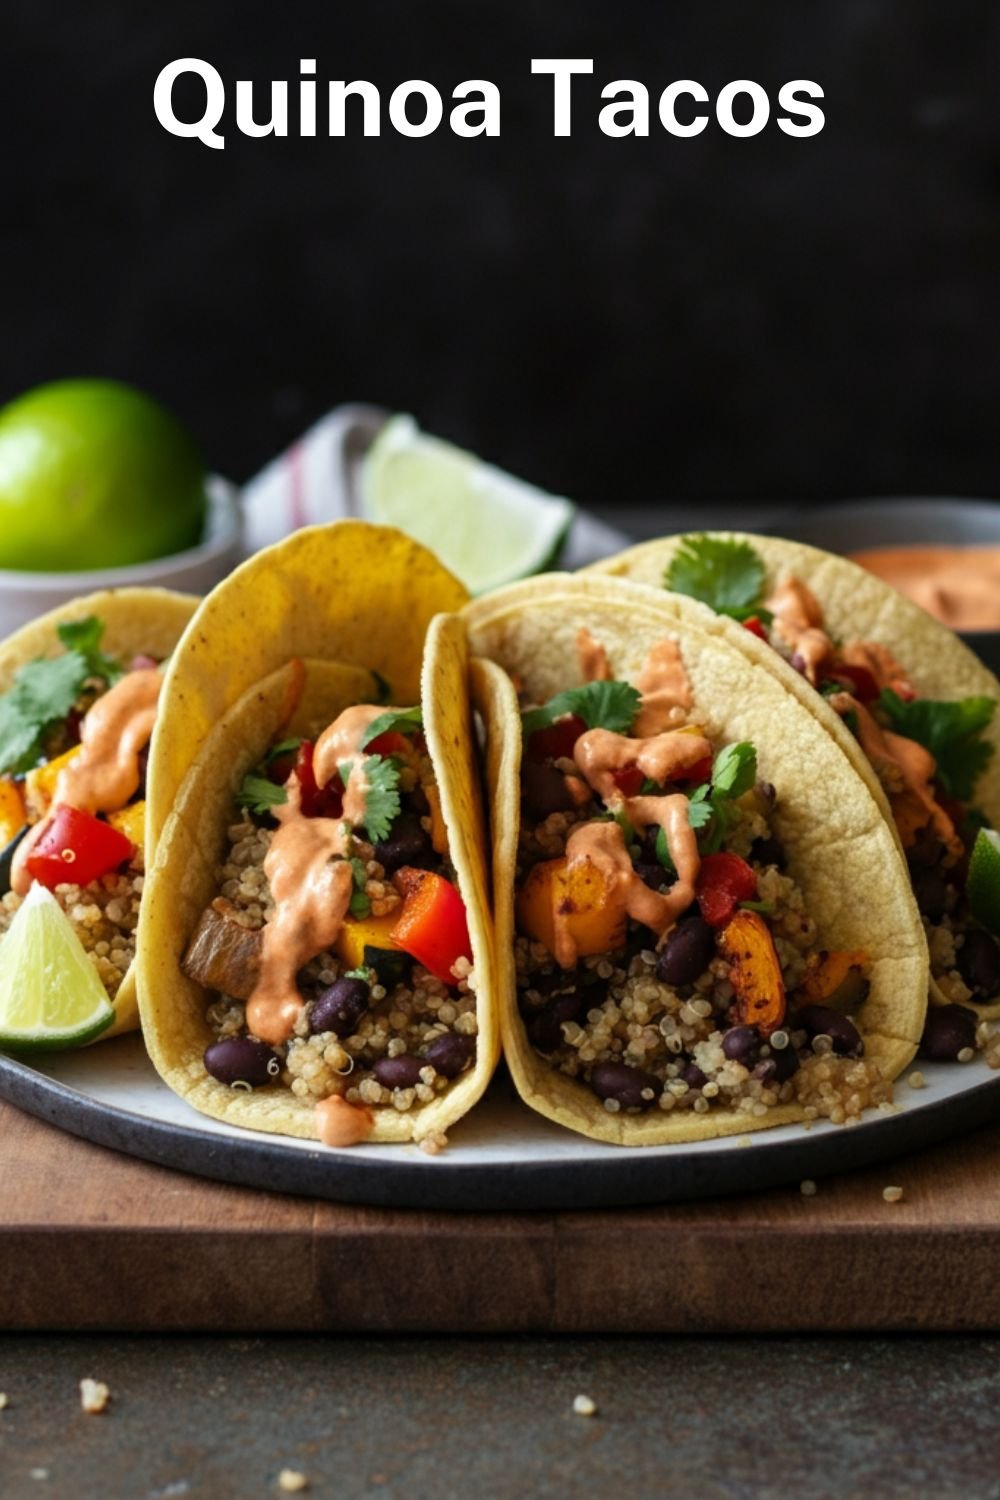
x: 79, y: 691
x: 703, y: 922
x: 316, y: 951
x: 909, y: 702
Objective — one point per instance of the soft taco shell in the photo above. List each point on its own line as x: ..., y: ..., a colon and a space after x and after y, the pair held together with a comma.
x: 840, y: 848
x: 856, y: 606
x: 184, y: 880
x: 135, y: 621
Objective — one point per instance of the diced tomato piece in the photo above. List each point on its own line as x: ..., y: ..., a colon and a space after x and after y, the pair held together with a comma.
x: 628, y: 780
x: 755, y: 627
x: 557, y: 740
x: 390, y: 743
x: 696, y: 774
x: 317, y: 802
x: 432, y: 926
x: 76, y: 848
x: 859, y: 681
x: 724, y: 880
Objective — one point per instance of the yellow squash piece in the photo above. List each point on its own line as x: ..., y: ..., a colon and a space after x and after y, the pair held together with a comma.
x: 579, y: 892
x: 131, y: 821
x: 40, y: 784
x: 12, y: 811
x: 359, y: 933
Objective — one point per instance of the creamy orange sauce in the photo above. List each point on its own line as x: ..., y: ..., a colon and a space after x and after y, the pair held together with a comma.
x: 915, y: 805
x: 958, y: 585
x: 105, y: 773
x: 339, y: 1123
x: 666, y: 691
x: 798, y: 621
x: 661, y: 757
x: 594, y: 664
x: 311, y: 883
x: 880, y: 662
x: 342, y: 739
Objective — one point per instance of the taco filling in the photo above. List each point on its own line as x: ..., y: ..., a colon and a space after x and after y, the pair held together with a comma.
x: 337, y: 954
x: 927, y: 755
x: 666, y: 957
x: 74, y: 734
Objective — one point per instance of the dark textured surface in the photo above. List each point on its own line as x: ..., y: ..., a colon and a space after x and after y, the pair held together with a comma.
x: 625, y: 320
x: 719, y: 1419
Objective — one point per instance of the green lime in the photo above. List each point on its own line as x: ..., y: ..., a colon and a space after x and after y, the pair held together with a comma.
x: 486, y: 526
x: 50, y: 995
x: 982, y: 885
x: 94, y: 474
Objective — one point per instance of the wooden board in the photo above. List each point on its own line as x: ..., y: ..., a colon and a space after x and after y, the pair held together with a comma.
x: 90, y: 1239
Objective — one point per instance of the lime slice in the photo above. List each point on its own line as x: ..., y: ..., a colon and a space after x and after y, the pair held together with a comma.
x: 982, y: 886
x: 50, y: 995
x: 486, y: 526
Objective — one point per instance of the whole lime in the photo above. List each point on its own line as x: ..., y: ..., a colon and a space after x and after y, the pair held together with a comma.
x: 95, y: 474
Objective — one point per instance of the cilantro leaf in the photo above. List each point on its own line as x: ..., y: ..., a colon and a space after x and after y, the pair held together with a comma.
x: 42, y: 694
x: 402, y: 720
x: 663, y: 852
x: 952, y: 732
x: 258, y: 795
x: 700, y: 813
x: 286, y: 747
x: 601, y: 705
x: 382, y: 802
x: 84, y: 636
x: 735, y: 770
x: 360, y: 904
x: 727, y: 575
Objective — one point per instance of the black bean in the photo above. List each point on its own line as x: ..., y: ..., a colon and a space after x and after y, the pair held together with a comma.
x: 239, y: 1059
x: 449, y: 1054
x: 779, y: 1067
x: 618, y: 1081
x: 769, y: 851
x: 741, y: 1044
x: 340, y: 1007
x: 543, y: 790
x: 693, y: 1076
x: 931, y: 891
x: 401, y: 1072
x: 688, y: 952
x: 978, y: 962
x: 823, y: 1020
x: 948, y: 1030
x: 545, y: 1025
x: 408, y: 844
x: 926, y: 849
x: 652, y: 874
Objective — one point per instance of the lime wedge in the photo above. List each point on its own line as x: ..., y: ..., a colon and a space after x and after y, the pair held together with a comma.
x: 486, y: 526
x: 50, y: 994
x: 982, y: 886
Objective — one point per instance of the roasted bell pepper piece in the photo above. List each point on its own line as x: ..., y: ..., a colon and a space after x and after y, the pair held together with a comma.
x: 628, y: 780
x: 390, y: 743
x: 755, y: 972
x: 75, y: 849
x: 13, y: 815
x: 131, y: 821
x: 432, y: 927
x: 316, y: 802
x: 756, y: 627
x: 580, y: 894
x: 359, y: 933
x: 40, y: 784
x: 724, y: 880
x: 557, y: 740
x: 837, y: 979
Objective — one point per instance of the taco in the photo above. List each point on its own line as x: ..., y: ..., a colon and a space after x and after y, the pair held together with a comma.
x: 703, y: 922
x: 79, y: 689
x: 905, y: 698
x: 316, y: 955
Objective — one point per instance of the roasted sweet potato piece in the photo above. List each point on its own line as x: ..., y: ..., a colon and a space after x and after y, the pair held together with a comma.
x: 755, y: 971
x: 837, y: 979
x: 580, y: 893
x: 12, y: 814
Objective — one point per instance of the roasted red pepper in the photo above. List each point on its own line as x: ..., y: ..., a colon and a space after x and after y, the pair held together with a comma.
x: 432, y: 926
x: 696, y: 774
x: 317, y: 802
x: 628, y: 780
x: 557, y: 740
x: 76, y: 848
x: 859, y: 681
x: 724, y: 880
x: 755, y: 627
x: 390, y: 743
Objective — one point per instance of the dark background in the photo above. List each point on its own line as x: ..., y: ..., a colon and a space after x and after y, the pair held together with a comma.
x: 622, y: 320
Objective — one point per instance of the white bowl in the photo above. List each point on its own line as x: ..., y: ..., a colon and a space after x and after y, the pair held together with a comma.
x: 24, y: 596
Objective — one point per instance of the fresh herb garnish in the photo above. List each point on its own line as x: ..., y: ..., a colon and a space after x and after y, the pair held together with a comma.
x: 258, y: 795
x: 601, y: 705
x: 44, y: 691
x: 84, y: 636
x: 381, y: 774
x: 766, y: 908
x: 365, y: 972
x: 952, y: 732
x: 400, y: 720
x: 287, y: 747
x: 734, y: 772
x: 727, y: 575
x: 360, y: 904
